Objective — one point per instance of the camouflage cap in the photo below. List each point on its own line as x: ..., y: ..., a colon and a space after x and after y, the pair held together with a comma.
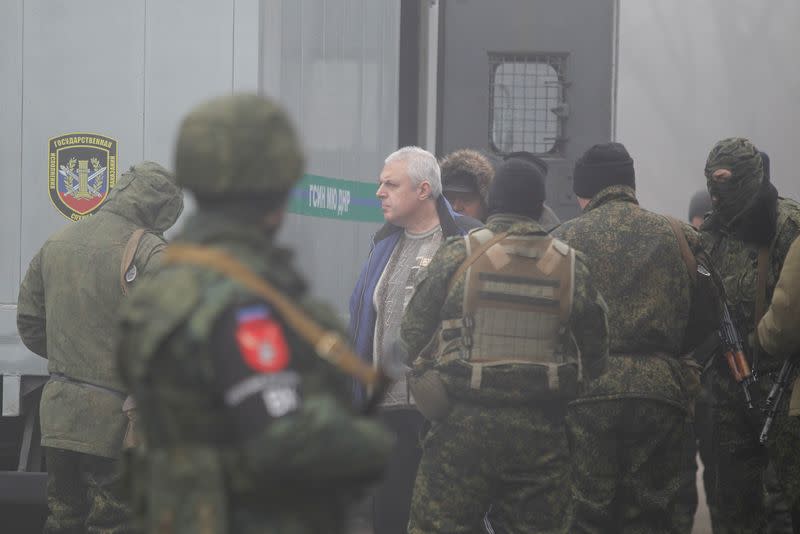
x: 237, y: 145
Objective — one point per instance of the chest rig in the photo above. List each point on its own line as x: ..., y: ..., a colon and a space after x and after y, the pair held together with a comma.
x: 517, y: 301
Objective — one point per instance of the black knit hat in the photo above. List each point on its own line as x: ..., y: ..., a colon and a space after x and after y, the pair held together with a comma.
x: 532, y: 158
x: 518, y: 188
x: 602, y: 166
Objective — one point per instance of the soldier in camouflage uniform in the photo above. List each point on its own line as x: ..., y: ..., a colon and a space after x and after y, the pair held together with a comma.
x: 749, y: 225
x: 631, y: 436
x: 66, y: 313
x: 246, y: 428
x: 503, y: 364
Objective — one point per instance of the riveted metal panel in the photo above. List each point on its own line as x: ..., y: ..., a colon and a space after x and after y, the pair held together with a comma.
x: 581, y: 32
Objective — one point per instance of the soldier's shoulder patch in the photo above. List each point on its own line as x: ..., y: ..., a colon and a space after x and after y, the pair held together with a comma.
x: 82, y: 170
x: 261, y: 339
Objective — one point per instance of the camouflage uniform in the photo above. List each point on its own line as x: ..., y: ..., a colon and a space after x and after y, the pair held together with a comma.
x: 67, y: 307
x: 731, y: 236
x: 246, y: 429
x: 499, y: 445
x: 631, y: 434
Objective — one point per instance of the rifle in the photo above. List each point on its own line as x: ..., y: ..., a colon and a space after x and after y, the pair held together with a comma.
x: 775, y: 394
x: 732, y: 342
x: 734, y: 355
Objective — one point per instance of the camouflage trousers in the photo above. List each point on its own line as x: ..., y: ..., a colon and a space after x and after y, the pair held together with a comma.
x: 740, y: 462
x: 633, y: 467
x: 512, y: 458
x: 83, y: 495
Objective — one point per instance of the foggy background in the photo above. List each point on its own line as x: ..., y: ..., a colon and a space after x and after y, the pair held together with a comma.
x: 692, y: 72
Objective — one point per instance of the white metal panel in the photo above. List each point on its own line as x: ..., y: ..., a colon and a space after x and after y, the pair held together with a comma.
x: 195, y: 49
x: 83, y: 71
x: 245, y: 45
x: 271, y: 47
x: 188, y: 57
x: 10, y: 150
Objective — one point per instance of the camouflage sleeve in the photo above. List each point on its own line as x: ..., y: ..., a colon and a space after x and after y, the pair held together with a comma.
x: 588, y: 322
x: 423, y: 313
x: 31, y: 319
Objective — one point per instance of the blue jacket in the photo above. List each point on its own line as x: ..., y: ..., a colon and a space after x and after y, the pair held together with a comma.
x: 362, y: 312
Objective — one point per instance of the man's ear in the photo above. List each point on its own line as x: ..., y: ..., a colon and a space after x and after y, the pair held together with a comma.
x: 424, y: 191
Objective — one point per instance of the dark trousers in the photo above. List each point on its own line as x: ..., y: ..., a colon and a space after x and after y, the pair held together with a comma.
x: 392, y: 498
x: 84, y: 495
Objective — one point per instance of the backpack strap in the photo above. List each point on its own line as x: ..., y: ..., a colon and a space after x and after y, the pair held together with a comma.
x: 327, y: 344
x: 683, y: 244
x: 127, y: 269
x: 761, y: 282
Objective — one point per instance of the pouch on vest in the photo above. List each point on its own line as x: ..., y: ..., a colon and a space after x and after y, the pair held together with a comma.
x: 430, y: 394
x: 517, y: 302
x: 186, y: 491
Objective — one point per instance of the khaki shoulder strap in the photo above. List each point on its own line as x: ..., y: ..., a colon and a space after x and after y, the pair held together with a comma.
x: 328, y: 344
x: 127, y: 259
x: 472, y: 258
x: 683, y: 244
x: 761, y: 283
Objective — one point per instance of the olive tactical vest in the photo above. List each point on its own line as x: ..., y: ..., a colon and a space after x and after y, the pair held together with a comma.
x: 518, y: 298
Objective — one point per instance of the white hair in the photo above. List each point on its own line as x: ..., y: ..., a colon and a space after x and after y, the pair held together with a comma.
x: 422, y: 167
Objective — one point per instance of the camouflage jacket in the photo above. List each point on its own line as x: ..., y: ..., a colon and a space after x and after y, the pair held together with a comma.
x: 635, y: 259
x: 227, y: 465
x: 737, y: 264
x: 431, y: 304
x: 68, y: 306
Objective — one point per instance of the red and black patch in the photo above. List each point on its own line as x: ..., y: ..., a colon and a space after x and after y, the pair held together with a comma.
x: 82, y: 170
x: 261, y: 340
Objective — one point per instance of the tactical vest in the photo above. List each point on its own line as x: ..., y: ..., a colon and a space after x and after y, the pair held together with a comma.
x: 517, y: 302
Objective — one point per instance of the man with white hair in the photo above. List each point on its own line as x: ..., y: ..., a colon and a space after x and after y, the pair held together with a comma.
x: 418, y: 219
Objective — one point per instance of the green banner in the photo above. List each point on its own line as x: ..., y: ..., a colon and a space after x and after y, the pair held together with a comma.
x: 347, y: 200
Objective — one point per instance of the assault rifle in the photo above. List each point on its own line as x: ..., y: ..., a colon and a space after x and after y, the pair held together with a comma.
x: 731, y: 341
x: 775, y: 395
x: 734, y: 355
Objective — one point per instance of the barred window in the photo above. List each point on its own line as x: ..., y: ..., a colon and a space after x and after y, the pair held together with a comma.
x: 527, y: 107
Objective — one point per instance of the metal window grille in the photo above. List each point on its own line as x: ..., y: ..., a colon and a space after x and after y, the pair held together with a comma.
x: 526, y: 95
